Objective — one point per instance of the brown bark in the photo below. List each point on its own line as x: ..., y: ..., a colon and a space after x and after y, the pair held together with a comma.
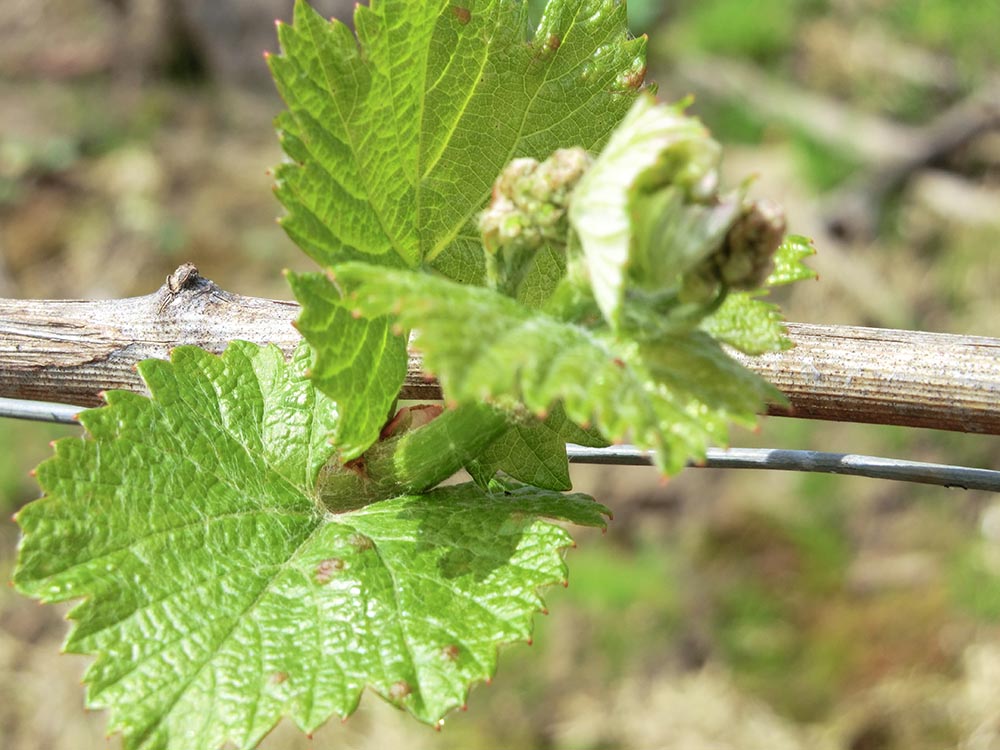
x: 69, y: 351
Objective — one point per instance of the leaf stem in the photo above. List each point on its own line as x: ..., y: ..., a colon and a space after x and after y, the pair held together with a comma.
x: 415, y: 461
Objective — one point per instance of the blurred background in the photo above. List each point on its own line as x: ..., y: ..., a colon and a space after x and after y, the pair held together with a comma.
x: 721, y: 610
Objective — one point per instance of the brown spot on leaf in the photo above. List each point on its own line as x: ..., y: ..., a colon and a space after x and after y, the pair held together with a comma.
x: 278, y: 677
x: 450, y: 652
x: 462, y: 14
x: 635, y: 79
x: 361, y: 543
x: 399, y: 690
x: 553, y: 42
x: 327, y: 568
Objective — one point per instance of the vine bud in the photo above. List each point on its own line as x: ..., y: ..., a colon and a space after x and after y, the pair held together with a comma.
x: 528, y: 210
x: 745, y: 259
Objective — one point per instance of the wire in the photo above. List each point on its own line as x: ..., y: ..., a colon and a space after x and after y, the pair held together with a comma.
x: 774, y: 459
x: 39, y: 411
x: 873, y: 467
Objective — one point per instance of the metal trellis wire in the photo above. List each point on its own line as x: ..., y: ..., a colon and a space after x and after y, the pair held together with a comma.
x: 775, y: 459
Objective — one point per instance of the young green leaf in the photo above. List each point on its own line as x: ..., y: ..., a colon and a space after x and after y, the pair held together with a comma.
x: 533, y: 451
x: 788, y: 261
x: 359, y: 363
x: 675, y: 394
x: 219, y: 594
x: 655, y: 143
x: 748, y: 324
x: 395, y: 137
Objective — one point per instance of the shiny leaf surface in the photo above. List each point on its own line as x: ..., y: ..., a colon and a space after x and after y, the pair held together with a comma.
x: 220, y: 594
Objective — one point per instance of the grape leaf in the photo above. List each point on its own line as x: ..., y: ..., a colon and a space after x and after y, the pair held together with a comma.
x: 359, y: 363
x: 675, y: 394
x: 219, y: 594
x: 395, y: 137
x: 533, y: 451
x: 748, y: 324
x: 788, y: 261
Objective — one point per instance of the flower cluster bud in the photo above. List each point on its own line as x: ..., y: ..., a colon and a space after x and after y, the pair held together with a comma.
x: 529, y: 203
x: 745, y: 258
